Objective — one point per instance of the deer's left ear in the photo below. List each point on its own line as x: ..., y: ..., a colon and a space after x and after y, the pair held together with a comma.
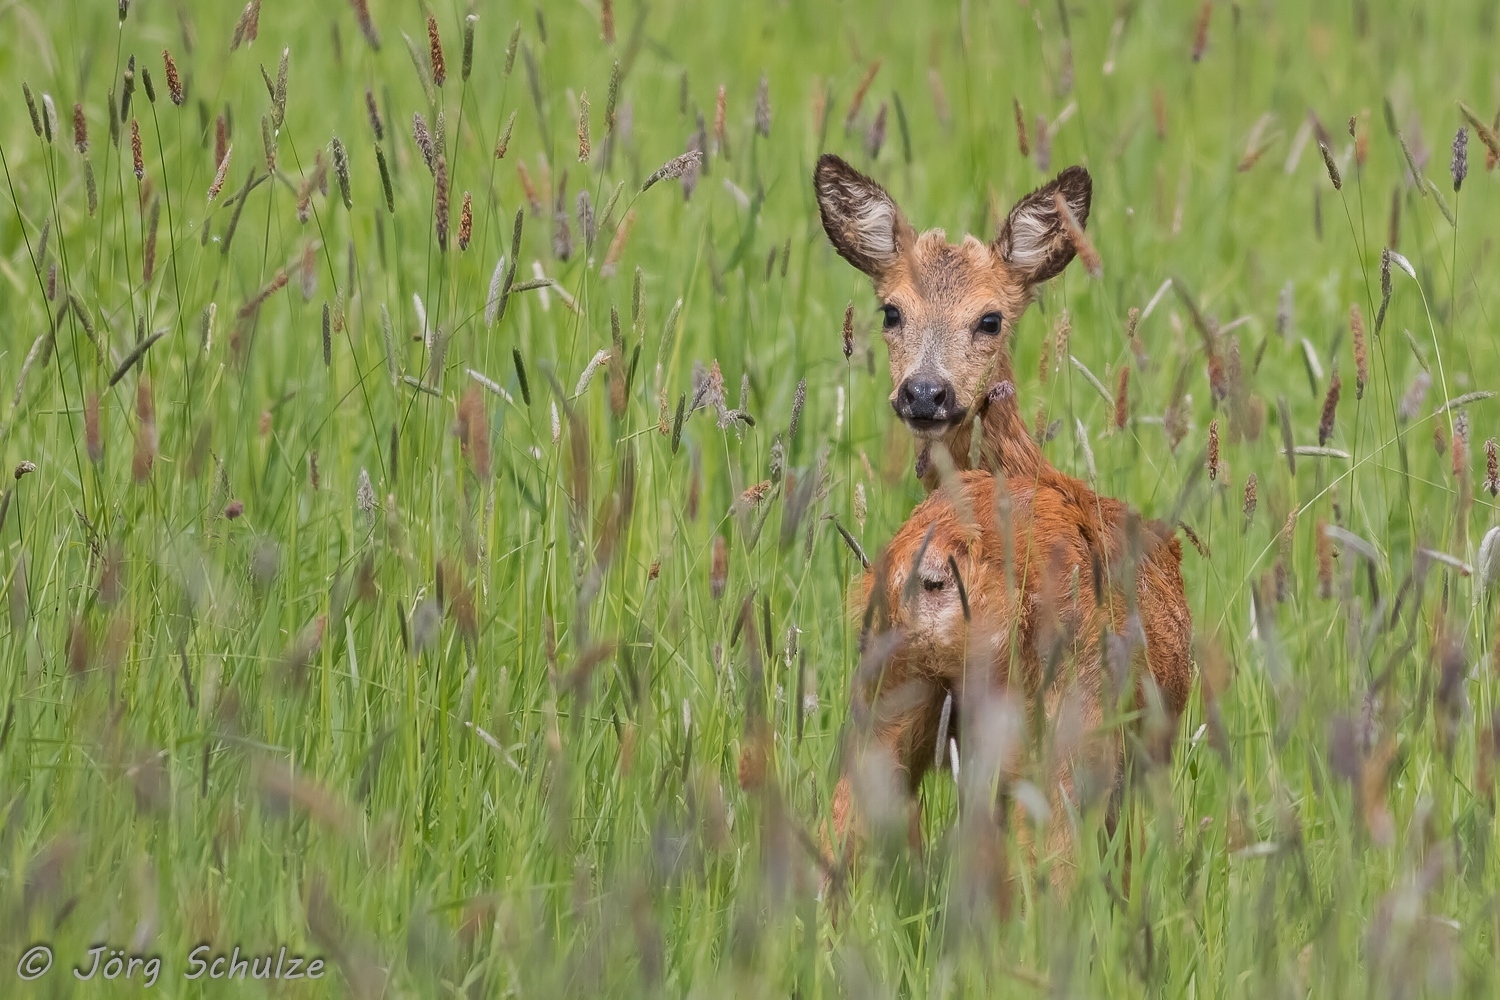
x: 860, y: 217
x: 1034, y: 240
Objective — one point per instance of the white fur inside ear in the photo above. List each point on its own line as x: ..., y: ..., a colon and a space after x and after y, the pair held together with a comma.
x: 873, y: 229
x: 1033, y: 231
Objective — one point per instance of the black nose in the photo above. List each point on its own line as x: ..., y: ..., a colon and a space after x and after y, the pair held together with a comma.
x: 924, y: 399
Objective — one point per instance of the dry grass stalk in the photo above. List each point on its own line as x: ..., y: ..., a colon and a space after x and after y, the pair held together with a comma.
x: 718, y: 575
x: 366, y: 26
x: 146, y: 435
x: 617, y: 245
x: 857, y: 101
x: 1200, y: 31
x: 1081, y: 243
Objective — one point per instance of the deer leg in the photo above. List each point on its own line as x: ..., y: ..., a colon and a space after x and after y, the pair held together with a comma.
x: 903, y: 730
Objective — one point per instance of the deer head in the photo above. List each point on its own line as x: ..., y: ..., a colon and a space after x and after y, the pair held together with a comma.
x: 948, y: 309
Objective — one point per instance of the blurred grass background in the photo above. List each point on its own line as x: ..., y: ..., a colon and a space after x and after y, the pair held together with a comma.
x: 478, y: 728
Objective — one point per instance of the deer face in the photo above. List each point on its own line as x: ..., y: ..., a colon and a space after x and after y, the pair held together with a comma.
x: 947, y: 309
x: 940, y: 587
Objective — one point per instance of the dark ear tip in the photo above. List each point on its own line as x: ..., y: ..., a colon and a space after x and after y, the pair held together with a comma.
x: 1076, y: 175
x: 829, y: 165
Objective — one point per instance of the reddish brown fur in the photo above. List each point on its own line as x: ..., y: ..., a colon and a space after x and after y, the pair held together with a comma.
x: 941, y: 292
x: 1031, y: 598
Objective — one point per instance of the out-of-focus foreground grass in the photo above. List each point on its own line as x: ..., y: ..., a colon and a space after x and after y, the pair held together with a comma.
x: 328, y: 626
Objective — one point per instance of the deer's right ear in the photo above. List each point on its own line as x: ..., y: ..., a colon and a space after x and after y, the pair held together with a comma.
x: 861, y: 219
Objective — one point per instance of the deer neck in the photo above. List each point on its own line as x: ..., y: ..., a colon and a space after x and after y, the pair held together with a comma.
x: 1006, y: 446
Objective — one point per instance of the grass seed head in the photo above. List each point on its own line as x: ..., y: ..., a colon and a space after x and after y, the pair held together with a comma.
x: 1361, y: 352
x: 721, y: 123
x: 278, y: 94
x: 1461, y: 444
x: 763, y: 107
x: 587, y: 225
x: 799, y: 397
x: 857, y: 101
x: 503, y: 143
x: 435, y: 52
x: 1213, y: 449
x: 1122, y: 398
x: 148, y: 250
x: 617, y: 244
x: 718, y: 574
x: 366, y: 26
x: 423, y: 137
x: 1458, y: 165
x: 468, y: 59
x: 521, y: 375
x: 247, y: 29
x: 1416, y: 394
x: 341, y: 170
x: 440, y: 201
x: 1022, y: 142
x: 268, y: 142
x: 385, y: 180
x: 80, y: 130
x: 36, y: 120
x: 510, y: 49
x: 466, y: 221
x: 373, y: 111
x: 174, y: 78
x: 676, y: 167
x: 1333, y: 168
x: 1200, y: 32
x: 1330, y: 405
x: 138, y: 160
x: 584, y: 146
x: 875, y: 134
x: 1491, y: 468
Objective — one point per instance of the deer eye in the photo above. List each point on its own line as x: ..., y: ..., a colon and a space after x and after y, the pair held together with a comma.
x: 989, y: 323
x: 892, y: 316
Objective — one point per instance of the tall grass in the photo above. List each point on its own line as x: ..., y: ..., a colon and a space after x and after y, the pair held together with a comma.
x: 472, y: 611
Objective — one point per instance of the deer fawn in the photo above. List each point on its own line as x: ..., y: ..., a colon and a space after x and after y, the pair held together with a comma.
x: 986, y: 590
x: 948, y: 315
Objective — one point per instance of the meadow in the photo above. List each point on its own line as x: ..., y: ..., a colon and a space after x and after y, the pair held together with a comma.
x: 426, y: 547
